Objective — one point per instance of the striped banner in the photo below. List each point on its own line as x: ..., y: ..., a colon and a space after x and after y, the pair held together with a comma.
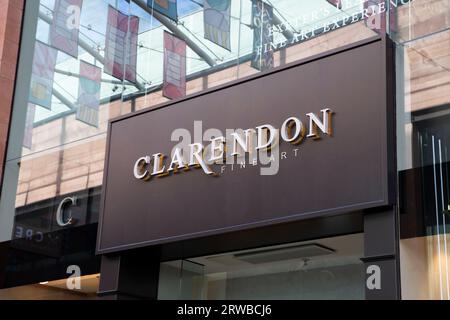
x: 217, y: 22
x: 174, y: 85
x: 131, y: 58
x: 43, y: 71
x: 89, y: 93
x: 121, y: 45
x: 64, y: 30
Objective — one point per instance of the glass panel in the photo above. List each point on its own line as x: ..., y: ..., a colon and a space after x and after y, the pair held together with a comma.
x: 321, y: 269
x: 169, y: 283
x: 68, y: 91
x: 423, y: 129
x: 57, y: 143
x: 56, y: 122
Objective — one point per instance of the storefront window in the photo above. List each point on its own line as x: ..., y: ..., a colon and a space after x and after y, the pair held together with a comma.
x: 323, y: 269
x: 423, y: 129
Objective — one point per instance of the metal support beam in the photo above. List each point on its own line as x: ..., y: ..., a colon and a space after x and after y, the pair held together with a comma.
x: 83, y: 44
x: 175, y: 30
x: 277, y: 20
x: 63, y: 99
x: 76, y: 75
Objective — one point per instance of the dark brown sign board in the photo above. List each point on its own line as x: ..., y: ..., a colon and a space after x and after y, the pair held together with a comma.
x: 351, y: 170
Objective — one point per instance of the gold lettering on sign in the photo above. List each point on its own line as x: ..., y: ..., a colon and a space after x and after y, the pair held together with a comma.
x: 261, y: 138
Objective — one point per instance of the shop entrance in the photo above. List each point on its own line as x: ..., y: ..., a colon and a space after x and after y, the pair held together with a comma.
x: 328, y: 268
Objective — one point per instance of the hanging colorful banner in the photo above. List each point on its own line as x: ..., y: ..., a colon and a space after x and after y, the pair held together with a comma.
x: 121, y: 45
x: 262, y: 23
x: 165, y: 7
x: 131, y: 57
x: 43, y: 71
x: 89, y: 93
x: 29, y: 121
x: 64, y: 30
x: 217, y: 22
x: 174, y: 85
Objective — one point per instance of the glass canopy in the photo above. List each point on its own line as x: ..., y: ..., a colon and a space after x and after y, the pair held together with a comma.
x: 302, y: 19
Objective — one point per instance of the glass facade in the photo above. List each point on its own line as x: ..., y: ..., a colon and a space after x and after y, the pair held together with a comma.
x: 422, y: 56
x: 57, y: 140
x: 52, y: 153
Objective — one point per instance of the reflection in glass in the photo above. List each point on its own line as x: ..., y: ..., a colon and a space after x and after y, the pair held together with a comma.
x: 58, y: 138
x: 423, y: 130
x: 321, y: 269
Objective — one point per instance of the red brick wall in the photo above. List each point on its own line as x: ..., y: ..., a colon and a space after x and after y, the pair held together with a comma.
x: 11, y: 12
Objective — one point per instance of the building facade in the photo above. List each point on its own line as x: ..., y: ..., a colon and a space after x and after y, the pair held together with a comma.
x: 356, y: 207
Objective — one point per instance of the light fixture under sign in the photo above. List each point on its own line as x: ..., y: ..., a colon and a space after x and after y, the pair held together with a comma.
x: 289, y: 253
